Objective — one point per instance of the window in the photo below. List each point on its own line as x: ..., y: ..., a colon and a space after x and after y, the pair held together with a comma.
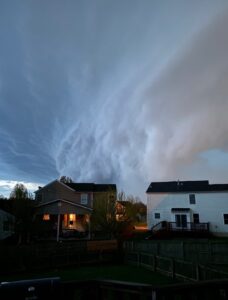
x: 196, y: 218
x: 192, y: 199
x: 84, y: 199
x: 181, y: 221
x: 72, y: 217
x: 6, y: 226
x: 225, y: 218
x: 39, y: 197
x: 46, y: 217
x: 157, y: 215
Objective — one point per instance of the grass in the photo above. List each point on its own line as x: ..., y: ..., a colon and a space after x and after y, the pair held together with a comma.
x: 114, y: 272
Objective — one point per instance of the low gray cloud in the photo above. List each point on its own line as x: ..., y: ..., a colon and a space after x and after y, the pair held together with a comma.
x: 123, y: 92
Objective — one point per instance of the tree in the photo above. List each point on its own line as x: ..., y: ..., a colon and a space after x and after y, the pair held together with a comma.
x: 137, y: 211
x: 121, y: 196
x: 19, y: 192
x: 103, y: 218
x: 134, y: 209
x: 22, y: 208
x: 65, y: 179
x: 2, y: 197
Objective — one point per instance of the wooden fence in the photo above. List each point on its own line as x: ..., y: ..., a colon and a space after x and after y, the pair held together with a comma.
x: 174, y: 268
x: 203, y: 251
x: 47, y: 256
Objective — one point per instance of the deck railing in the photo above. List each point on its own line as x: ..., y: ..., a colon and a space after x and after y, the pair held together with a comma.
x: 175, y: 226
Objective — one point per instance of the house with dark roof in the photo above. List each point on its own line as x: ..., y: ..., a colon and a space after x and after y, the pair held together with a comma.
x: 66, y: 207
x: 188, y: 206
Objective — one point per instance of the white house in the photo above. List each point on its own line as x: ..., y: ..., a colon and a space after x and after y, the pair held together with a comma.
x: 188, y: 205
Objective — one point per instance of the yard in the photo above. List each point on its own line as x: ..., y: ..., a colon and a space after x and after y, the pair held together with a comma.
x: 113, y: 272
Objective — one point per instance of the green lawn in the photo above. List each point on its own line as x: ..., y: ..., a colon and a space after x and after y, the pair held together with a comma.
x: 122, y: 273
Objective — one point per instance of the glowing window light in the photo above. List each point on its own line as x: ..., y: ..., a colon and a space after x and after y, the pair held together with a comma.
x: 72, y: 217
x: 46, y: 217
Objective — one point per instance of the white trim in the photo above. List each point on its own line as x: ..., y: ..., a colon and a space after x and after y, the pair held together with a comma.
x: 66, y: 201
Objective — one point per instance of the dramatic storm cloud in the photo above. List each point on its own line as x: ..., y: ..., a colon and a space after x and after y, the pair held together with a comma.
x: 113, y: 91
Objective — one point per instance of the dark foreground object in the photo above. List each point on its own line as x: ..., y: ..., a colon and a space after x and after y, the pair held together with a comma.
x: 52, y: 288
x: 45, y: 289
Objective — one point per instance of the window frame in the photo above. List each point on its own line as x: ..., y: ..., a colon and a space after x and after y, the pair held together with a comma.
x: 46, y: 217
x: 157, y: 215
x: 225, y: 219
x: 84, y: 199
x: 6, y: 226
x: 192, y: 199
x: 196, y: 218
x: 181, y: 220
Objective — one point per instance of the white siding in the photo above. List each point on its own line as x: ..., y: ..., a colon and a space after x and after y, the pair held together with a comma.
x: 209, y: 205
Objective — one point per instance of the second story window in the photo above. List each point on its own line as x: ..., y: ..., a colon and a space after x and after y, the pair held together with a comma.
x: 84, y: 199
x: 192, y: 199
x: 39, y: 197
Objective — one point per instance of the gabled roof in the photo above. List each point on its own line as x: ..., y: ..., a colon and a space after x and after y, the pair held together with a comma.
x: 104, y: 188
x: 185, y: 186
x: 83, y: 187
x: 92, y: 187
x: 52, y: 182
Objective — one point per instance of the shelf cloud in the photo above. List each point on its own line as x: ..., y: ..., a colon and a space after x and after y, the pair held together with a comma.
x: 121, y: 92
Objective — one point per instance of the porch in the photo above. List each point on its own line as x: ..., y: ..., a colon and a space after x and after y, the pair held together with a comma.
x: 66, y: 226
x: 166, y: 229
x: 62, y: 219
x: 177, y: 226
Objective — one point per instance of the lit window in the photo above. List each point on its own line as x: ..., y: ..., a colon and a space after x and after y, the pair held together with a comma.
x: 157, y: 215
x: 84, y: 199
x: 72, y: 217
x: 192, y: 199
x: 46, y: 217
x: 225, y: 218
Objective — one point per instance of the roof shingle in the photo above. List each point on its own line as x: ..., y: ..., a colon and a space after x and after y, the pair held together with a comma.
x: 185, y: 186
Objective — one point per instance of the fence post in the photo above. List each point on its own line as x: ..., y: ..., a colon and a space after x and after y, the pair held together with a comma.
x: 183, y: 250
x: 154, y: 295
x: 210, y: 252
x: 173, y: 267
x: 79, y: 259
x: 197, y: 272
x: 154, y: 263
x: 138, y: 259
x: 158, y: 248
